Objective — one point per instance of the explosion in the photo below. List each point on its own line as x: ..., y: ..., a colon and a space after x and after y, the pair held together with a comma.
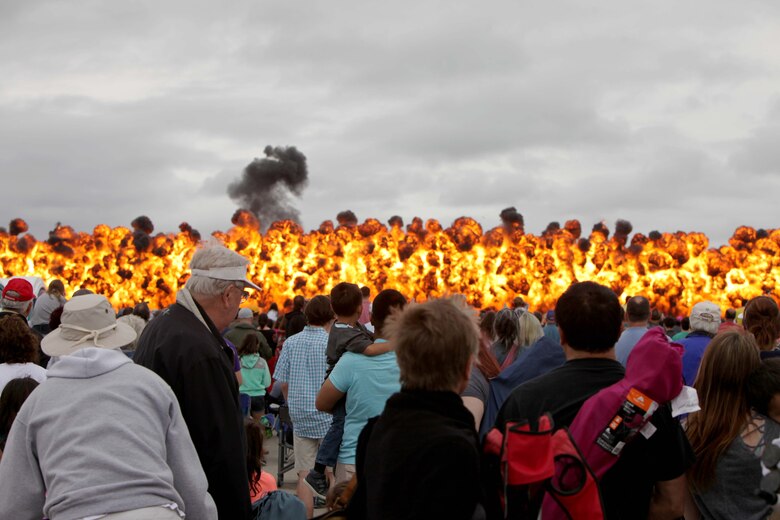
x: 424, y: 260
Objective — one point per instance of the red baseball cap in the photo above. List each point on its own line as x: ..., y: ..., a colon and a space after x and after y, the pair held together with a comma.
x: 18, y: 290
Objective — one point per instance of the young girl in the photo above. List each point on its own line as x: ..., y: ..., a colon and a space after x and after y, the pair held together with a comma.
x: 260, y: 482
x: 254, y: 374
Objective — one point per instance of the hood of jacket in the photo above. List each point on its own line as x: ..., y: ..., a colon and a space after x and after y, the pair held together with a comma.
x: 249, y: 360
x: 88, y: 362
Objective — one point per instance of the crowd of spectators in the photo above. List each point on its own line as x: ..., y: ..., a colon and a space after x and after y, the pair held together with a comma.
x: 395, y: 406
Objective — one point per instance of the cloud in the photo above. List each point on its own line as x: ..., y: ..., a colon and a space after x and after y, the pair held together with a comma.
x: 649, y: 113
x: 759, y: 153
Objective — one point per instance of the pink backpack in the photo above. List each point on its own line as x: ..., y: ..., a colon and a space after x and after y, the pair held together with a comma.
x: 560, y: 470
x: 611, y: 418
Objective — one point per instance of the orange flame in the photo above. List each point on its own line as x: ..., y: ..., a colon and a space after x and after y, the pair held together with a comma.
x: 674, y: 270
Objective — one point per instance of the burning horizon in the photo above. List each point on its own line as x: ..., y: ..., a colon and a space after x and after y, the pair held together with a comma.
x: 422, y: 260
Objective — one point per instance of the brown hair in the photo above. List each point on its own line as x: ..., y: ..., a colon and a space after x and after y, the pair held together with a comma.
x: 56, y: 288
x: 318, y: 311
x: 254, y: 452
x: 346, y: 298
x: 486, y: 361
x: 435, y: 343
x: 14, y: 395
x: 721, y: 383
x: 249, y: 345
x: 761, y: 320
x: 18, y: 344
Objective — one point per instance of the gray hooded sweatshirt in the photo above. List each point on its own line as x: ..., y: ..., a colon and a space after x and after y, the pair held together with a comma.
x: 101, y: 435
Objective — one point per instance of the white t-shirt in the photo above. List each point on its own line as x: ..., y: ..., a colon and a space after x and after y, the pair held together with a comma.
x: 9, y: 371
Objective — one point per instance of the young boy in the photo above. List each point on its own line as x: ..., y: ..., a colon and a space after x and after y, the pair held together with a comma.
x: 346, y: 334
x: 763, y: 389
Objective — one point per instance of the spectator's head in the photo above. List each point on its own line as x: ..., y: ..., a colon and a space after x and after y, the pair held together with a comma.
x: 435, y: 344
x: 728, y: 361
x: 550, y: 317
x: 218, y: 281
x: 18, y: 343
x: 530, y: 329
x: 14, y: 395
x: 589, y: 317
x: 366, y: 292
x: 763, y: 389
x: 346, y: 300
x: 82, y: 292
x: 262, y: 320
x: 142, y: 311
x: 249, y: 345
x: 655, y: 317
x: 245, y: 315
x: 638, y: 310
x: 506, y: 327
x: 518, y: 303
x: 705, y: 317
x: 385, y: 303
x: 18, y: 296
x: 318, y: 311
x: 56, y: 289
x: 87, y: 321
x: 273, y: 307
x: 669, y: 323
x: 731, y: 315
x: 486, y: 323
x: 761, y: 320
x: 685, y: 324
x: 299, y: 302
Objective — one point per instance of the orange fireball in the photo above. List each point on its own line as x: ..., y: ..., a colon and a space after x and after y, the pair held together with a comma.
x: 426, y: 260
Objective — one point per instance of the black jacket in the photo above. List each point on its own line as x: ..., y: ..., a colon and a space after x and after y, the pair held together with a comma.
x: 419, y: 460
x: 198, y: 366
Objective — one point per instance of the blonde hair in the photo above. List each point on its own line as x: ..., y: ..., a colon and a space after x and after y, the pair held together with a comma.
x: 435, y: 343
x: 530, y: 329
x: 722, y: 387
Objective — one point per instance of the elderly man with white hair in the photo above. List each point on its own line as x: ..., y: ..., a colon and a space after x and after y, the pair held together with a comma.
x: 184, y: 346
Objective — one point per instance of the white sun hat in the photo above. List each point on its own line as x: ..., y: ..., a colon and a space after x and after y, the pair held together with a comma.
x: 87, y: 321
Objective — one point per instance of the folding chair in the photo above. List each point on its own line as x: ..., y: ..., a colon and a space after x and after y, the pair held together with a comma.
x: 284, y: 431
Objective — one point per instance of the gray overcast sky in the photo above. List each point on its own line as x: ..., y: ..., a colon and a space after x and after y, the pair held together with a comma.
x: 665, y: 113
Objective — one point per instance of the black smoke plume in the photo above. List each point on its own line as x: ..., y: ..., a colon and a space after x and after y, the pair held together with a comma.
x: 347, y: 219
x: 266, y: 184
x: 511, y: 219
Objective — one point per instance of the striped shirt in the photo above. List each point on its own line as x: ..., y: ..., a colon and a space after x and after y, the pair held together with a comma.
x: 302, y: 365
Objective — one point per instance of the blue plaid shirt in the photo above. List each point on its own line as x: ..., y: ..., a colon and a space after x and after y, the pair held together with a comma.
x: 302, y: 365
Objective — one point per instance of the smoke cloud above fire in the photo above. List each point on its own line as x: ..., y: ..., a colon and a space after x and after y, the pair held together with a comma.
x: 266, y: 185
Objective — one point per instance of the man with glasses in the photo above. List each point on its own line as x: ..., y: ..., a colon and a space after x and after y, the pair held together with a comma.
x: 183, y: 345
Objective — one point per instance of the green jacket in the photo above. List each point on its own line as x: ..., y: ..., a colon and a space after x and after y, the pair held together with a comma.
x: 239, y: 331
x: 256, y: 376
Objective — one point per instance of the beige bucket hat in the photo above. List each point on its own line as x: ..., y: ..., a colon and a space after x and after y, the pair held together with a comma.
x: 87, y: 321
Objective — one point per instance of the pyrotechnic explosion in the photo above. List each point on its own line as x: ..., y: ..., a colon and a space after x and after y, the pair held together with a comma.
x: 424, y: 260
